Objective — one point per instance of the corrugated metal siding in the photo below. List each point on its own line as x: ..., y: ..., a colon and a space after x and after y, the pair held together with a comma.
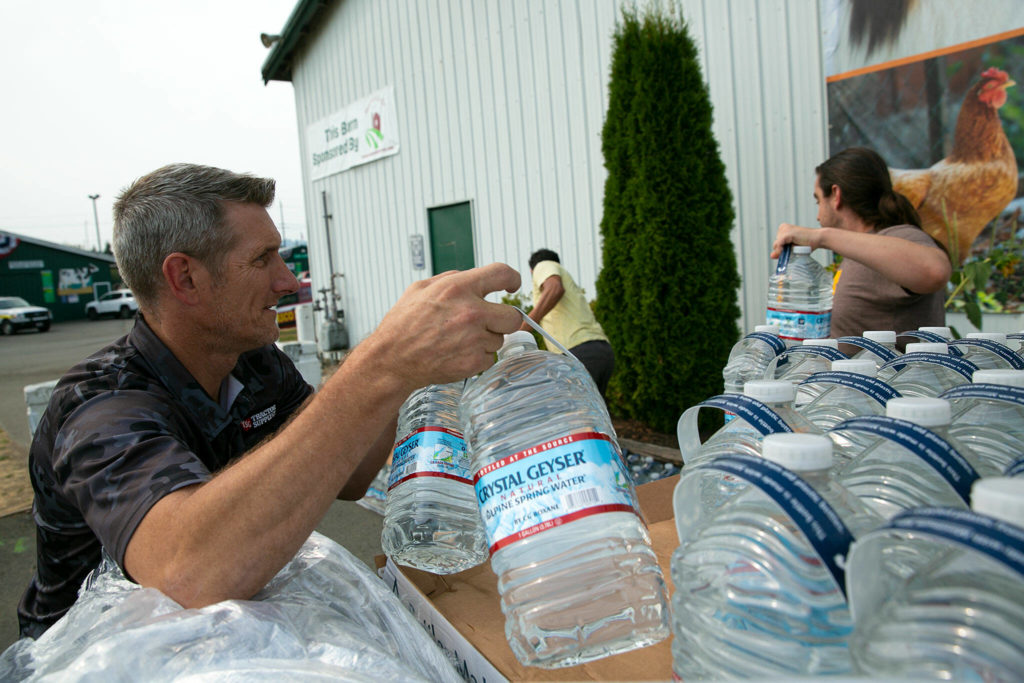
x: 502, y: 103
x: 762, y: 60
x: 498, y: 103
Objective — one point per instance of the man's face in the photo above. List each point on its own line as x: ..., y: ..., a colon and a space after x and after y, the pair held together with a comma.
x: 827, y: 217
x: 253, y: 278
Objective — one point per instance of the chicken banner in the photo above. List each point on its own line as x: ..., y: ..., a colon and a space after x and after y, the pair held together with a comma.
x: 932, y: 87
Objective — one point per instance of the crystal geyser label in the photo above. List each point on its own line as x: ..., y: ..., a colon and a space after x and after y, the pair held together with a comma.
x: 551, y: 484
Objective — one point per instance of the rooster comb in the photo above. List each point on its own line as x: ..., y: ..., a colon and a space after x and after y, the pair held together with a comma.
x: 993, y: 72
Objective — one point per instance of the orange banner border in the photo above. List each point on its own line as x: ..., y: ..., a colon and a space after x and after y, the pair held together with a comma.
x: 903, y: 61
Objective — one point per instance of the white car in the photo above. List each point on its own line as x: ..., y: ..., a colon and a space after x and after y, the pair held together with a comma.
x: 120, y: 303
x: 18, y: 314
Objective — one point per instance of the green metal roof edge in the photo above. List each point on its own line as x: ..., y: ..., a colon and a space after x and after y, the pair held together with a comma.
x: 278, y: 65
x: 98, y: 255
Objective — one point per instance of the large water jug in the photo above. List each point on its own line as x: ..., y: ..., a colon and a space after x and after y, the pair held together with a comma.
x: 988, y: 415
x: 576, y: 573
x: 800, y: 362
x: 989, y: 351
x: 911, y: 460
x: 431, y: 521
x: 938, y: 593
x: 758, y: 575
x: 926, y: 369
x: 800, y: 296
x: 850, y: 389
x: 933, y: 335
x: 765, y: 407
x: 750, y: 357
x: 877, y: 345
x: 941, y: 331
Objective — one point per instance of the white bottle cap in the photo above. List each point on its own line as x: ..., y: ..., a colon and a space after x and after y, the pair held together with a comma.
x: 927, y: 347
x: 880, y: 336
x: 770, y: 390
x: 941, y: 331
x: 831, y: 343
x: 999, y: 497
x: 991, y: 336
x: 1009, y: 378
x: 927, y: 412
x: 770, y: 329
x: 801, y: 250
x: 798, y: 451
x: 861, y: 366
x: 519, y: 337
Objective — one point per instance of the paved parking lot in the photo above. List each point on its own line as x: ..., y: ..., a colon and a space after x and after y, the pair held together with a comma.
x: 32, y: 357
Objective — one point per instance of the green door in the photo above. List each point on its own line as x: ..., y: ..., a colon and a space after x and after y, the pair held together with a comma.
x: 451, y: 237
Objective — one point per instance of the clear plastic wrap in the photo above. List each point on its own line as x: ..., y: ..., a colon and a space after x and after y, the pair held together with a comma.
x: 324, y: 616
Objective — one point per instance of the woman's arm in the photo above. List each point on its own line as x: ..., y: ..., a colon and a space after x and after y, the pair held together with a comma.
x: 916, y: 267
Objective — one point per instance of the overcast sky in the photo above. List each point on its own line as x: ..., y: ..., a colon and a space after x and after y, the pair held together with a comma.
x: 99, y: 92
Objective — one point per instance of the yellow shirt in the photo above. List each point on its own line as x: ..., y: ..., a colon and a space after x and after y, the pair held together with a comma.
x: 571, y: 321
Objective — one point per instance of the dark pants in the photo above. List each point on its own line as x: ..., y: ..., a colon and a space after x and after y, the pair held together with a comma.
x: 599, y: 360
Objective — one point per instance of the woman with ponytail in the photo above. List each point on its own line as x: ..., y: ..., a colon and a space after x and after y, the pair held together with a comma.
x: 893, y: 274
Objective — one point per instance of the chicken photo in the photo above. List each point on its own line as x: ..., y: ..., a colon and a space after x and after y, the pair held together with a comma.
x: 978, y: 178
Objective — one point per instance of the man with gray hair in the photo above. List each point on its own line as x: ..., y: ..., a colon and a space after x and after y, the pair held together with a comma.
x: 191, y: 450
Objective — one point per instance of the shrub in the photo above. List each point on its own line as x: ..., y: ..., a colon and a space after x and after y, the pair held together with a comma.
x: 666, y: 293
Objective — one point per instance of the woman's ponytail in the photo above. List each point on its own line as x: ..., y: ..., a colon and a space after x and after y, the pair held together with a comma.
x: 896, y: 209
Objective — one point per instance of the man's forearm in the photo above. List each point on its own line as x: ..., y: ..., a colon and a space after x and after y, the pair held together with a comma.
x: 228, y: 537
x: 231, y: 535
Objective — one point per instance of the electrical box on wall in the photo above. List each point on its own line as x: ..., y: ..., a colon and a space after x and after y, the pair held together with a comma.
x: 419, y: 260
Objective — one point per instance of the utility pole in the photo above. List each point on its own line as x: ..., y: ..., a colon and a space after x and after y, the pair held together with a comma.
x: 280, y: 205
x: 96, y: 218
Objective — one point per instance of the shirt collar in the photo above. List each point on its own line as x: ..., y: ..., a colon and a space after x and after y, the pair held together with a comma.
x: 165, y: 366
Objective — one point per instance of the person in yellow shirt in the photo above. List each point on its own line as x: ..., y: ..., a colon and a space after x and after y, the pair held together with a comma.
x: 560, y: 307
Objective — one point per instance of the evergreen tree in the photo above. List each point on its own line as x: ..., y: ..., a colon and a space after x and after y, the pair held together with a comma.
x: 666, y: 293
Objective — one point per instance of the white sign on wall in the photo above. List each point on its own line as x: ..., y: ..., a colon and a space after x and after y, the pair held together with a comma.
x: 362, y: 132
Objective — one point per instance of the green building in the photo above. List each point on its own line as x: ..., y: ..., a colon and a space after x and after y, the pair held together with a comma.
x: 61, y: 278
x: 297, y: 258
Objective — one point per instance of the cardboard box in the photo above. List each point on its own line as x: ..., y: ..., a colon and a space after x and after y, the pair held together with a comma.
x: 463, y: 613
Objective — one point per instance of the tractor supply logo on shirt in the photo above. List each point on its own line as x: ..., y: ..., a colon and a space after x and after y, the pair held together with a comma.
x: 259, y: 419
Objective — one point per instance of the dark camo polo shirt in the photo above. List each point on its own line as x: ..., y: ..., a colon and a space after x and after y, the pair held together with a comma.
x: 125, y: 427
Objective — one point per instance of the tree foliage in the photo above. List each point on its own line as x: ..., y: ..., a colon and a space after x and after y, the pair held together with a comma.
x: 666, y: 293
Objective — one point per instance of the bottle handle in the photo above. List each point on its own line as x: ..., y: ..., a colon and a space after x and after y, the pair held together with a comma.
x: 547, y: 337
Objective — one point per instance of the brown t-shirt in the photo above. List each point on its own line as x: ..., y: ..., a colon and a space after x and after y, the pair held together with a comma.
x: 864, y: 300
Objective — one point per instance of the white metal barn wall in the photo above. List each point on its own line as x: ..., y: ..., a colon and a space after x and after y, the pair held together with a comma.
x: 498, y: 103
x: 762, y: 60
x: 501, y: 103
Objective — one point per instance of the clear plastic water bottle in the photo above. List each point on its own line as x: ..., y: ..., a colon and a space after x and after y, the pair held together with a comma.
x: 758, y: 575
x: 1015, y: 470
x: 940, y: 330
x: 926, y: 369
x: 989, y: 351
x: 886, y: 338
x: 576, y: 573
x: 911, y: 460
x: 800, y: 362
x: 765, y: 407
x: 988, y: 415
x: 850, y: 389
x: 939, y: 593
x: 750, y: 357
x: 800, y: 296
x: 431, y: 521
x: 877, y: 345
